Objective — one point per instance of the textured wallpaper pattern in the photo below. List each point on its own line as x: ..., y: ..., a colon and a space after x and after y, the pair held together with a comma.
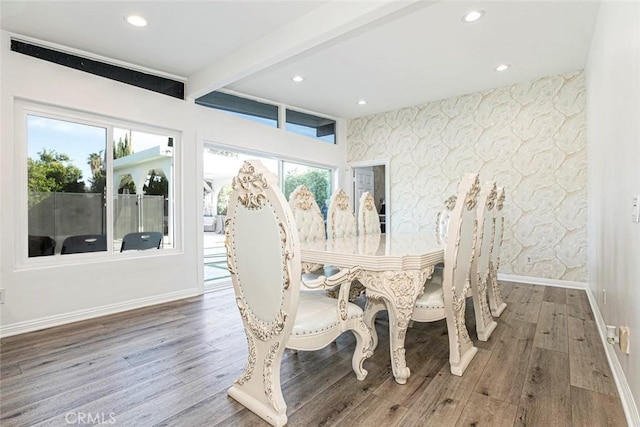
x: 529, y: 137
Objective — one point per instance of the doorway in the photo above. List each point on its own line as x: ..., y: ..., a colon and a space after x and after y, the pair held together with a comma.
x: 372, y: 176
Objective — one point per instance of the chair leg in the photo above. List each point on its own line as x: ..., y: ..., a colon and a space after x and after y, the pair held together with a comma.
x: 484, y: 321
x: 371, y: 311
x: 363, y: 349
x: 461, y: 349
x: 258, y: 387
x: 493, y: 290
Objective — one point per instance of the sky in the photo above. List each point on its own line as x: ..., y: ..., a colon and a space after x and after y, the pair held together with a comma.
x: 78, y: 141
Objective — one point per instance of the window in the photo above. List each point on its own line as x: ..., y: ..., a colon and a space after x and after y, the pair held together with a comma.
x: 249, y: 109
x: 91, y: 182
x: 317, y: 180
x: 220, y: 165
x: 305, y: 124
x: 316, y: 127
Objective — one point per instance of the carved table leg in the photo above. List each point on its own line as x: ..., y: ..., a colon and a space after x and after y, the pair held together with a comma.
x: 371, y: 310
x: 399, y: 291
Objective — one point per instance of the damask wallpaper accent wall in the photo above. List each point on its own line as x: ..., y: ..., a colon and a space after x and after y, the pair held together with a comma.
x: 529, y: 137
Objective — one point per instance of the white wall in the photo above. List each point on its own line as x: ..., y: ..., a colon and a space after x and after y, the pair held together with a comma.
x: 613, y: 110
x: 530, y: 137
x: 40, y: 297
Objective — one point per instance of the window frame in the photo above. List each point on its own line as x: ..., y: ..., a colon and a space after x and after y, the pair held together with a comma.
x: 23, y: 109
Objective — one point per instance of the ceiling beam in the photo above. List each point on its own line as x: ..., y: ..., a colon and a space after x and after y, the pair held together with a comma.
x: 324, y: 24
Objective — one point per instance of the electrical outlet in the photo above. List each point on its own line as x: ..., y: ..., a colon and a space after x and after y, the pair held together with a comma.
x: 624, y: 339
x: 529, y: 260
x: 1, y: 296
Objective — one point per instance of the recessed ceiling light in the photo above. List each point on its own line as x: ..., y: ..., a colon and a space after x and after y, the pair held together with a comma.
x: 473, y: 16
x: 297, y: 79
x: 136, y: 20
x: 502, y: 67
x: 362, y: 102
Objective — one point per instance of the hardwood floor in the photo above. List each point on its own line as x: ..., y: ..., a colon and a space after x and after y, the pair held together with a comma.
x: 171, y: 365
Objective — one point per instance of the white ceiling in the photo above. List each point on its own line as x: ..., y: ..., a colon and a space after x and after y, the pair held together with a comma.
x: 393, y: 53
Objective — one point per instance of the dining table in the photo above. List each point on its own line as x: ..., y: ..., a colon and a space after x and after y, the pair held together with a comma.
x: 394, y: 267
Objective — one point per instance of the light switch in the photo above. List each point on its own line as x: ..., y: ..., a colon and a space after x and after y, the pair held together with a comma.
x: 635, y: 213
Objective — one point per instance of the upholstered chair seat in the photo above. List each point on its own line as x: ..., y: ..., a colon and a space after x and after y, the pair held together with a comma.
x: 433, y: 297
x: 317, y: 314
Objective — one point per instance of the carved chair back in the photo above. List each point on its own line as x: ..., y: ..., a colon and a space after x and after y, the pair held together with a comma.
x: 496, y: 303
x: 368, y: 218
x: 480, y: 272
x: 442, y: 220
x: 341, y: 221
x: 486, y: 227
x: 499, y: 228
x: 307, y: 215
x: 460, y: 246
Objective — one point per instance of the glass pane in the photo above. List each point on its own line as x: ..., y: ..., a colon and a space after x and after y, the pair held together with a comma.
x: 143, y: 190
x: 66, y: 179
x: 247, y: 108
x: 318, y: 180
x: 309, y: 125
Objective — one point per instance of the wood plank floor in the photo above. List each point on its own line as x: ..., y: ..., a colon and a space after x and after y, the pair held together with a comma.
x: 170, y: 365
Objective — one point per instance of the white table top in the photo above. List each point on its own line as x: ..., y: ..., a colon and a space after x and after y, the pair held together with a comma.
x: 384, y: 252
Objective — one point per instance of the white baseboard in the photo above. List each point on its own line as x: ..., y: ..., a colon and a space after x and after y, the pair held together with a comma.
x: 217, y: 286
x: 624, y: 391
x: 62, y: 319
x: 542, y: 281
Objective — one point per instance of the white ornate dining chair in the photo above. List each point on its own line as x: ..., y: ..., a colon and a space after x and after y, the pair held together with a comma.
x: 368, y: 218
x: 263, y: 256
x: 480, y: 277
x: 310, y: 226
x: 444, y: 296
x: 496, y: 302
x: 341, y: 222
x: 480, y: 273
